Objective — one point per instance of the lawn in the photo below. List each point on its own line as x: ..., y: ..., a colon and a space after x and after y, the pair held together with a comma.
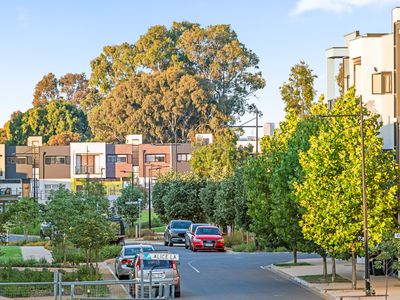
x: 8, y: 253
x: 155, y: 221
x: 287, y: 265
x: 320, y: 278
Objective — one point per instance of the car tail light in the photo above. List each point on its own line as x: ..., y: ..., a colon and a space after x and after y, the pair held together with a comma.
x: 126, y: 261
x: 173, y: 265
x: 138, y: 263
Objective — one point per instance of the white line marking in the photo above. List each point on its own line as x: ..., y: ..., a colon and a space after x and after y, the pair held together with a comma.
x: 190, y: 265
x: 116, y: 278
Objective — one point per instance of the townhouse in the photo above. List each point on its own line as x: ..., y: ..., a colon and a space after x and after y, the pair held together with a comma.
x: 370, y: 63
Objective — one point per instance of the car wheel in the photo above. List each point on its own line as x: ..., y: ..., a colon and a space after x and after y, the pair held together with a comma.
x: 194, y: 250
x: 170, y: 243
x: 178, y: 292
x: 186, y: 246
x: 165, y: 243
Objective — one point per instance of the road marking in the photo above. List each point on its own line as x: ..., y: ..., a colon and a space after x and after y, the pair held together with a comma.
x: 190, y: 265
x: 116, y: 278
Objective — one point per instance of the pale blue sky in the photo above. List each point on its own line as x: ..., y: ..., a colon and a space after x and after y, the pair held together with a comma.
x: 38, y: 37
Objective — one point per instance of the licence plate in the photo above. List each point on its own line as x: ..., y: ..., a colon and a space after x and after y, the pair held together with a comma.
x: 156, y: 275
x: 208, y: 245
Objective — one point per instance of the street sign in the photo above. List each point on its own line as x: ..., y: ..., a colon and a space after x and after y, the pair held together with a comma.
x: 132, y: 202
x: 160, y: 256
x: 397, y: 235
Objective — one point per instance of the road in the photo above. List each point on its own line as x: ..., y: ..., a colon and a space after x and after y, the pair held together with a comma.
x: 220, y: 276
x: 19, y: 237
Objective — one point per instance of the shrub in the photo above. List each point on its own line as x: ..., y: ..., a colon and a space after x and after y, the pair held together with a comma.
x: 236, y: 238
x: 109, y: 251
x: 239, y: 248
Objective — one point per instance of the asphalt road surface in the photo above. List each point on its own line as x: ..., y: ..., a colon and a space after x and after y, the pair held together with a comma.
x: 19, y: 237
x: 220, y: 276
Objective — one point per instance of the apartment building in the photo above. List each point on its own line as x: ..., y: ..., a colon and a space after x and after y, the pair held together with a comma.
x: 370, y: 64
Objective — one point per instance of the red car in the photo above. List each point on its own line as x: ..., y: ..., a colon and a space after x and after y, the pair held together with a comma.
x: 208, y: 238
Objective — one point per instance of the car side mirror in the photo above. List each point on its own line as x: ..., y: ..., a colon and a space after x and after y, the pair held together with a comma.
x: 222, y: 233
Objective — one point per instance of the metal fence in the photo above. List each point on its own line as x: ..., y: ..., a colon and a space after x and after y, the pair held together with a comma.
x: 86, y: 290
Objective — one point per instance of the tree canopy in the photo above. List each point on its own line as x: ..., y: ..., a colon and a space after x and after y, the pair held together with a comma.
x: 54, y: 118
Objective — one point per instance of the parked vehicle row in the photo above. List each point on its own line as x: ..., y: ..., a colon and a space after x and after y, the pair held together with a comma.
x: 162, y: 271
x: 194, y: 236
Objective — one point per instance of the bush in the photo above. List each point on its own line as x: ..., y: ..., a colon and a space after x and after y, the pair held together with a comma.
x: 10, y: 274
x: 34, y: 230
x: 239, y: 248
x: 250, y: 247
x: 76, y: 256
x: 236, y: 238
x: 109, y: 251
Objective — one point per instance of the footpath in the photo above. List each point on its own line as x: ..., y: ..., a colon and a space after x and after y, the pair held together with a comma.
x: 339, y: 290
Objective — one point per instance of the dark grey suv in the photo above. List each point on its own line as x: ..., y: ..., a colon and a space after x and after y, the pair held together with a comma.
x: 175, y: 232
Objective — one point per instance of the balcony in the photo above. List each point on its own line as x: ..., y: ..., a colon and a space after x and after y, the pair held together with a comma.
x: 82, y: 170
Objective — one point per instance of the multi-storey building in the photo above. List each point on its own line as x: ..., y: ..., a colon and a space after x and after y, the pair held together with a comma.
x: 370, y: 65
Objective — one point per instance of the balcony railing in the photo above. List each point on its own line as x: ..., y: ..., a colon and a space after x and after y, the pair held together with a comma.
x: 81, y: 170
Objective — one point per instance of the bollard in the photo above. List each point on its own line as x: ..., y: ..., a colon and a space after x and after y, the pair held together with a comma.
x: 55, y: 283
x: 60, y: 291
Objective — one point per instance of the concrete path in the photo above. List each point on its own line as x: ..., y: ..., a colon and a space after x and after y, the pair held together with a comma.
x: 36, y: 253
x: 342, y: 290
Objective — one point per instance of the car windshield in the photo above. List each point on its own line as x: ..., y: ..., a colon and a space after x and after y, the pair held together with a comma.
x: 194, y: 227
x: 157, y: 264
x: 208, y: 231
x: 136, y: 250
x: 181, y: 224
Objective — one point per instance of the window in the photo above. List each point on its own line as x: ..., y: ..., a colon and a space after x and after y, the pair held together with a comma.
x: 184, y: 157
x: 155, y: 158
x: 381, y: 83
x: 13, y: 160
x: 56, y: 160
x: 114, y: 158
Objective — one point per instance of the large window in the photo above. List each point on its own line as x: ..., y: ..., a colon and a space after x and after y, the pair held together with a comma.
x: 184, y: 157
x: 381, y: 83
x: 14, y: 160
x: 56, y: 160
x: 117, y: 158
x: 155, y: 158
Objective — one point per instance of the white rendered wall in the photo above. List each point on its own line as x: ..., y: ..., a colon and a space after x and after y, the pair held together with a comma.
x: 91, y: 149
x: 375, y: 52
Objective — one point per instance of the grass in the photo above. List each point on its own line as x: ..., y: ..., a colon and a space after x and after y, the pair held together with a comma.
x: 287, y: 265
x: 250, y: 247
x: 320, y: 279
x: 159, y: 229
x: 10, y: 253
x: 155, y: 220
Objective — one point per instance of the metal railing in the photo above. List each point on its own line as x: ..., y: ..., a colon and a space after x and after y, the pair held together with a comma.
x: 86, y: 290
x: 80, y: 170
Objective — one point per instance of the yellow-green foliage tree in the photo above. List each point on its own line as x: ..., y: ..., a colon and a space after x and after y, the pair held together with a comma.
x: 331, y: 191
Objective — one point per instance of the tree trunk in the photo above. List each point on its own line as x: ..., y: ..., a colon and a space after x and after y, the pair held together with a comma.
x: 353, y: 270
x: 294, y: 250
x: 333, y: 269
x: 324, y: 267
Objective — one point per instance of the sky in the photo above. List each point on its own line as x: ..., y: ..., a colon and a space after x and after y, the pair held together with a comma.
x: 38, y: 37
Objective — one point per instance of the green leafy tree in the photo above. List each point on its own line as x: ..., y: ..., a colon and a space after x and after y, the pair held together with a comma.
x: 55, y: 118
x: 207, y: 198
x: 331, y: 191
x: 225, y: 208
x: 217, y: 160
x: 298, y: 93
x: 130, y: 212
x: 177, y: 197
x: 25, y: 213
x: 258, y: 195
